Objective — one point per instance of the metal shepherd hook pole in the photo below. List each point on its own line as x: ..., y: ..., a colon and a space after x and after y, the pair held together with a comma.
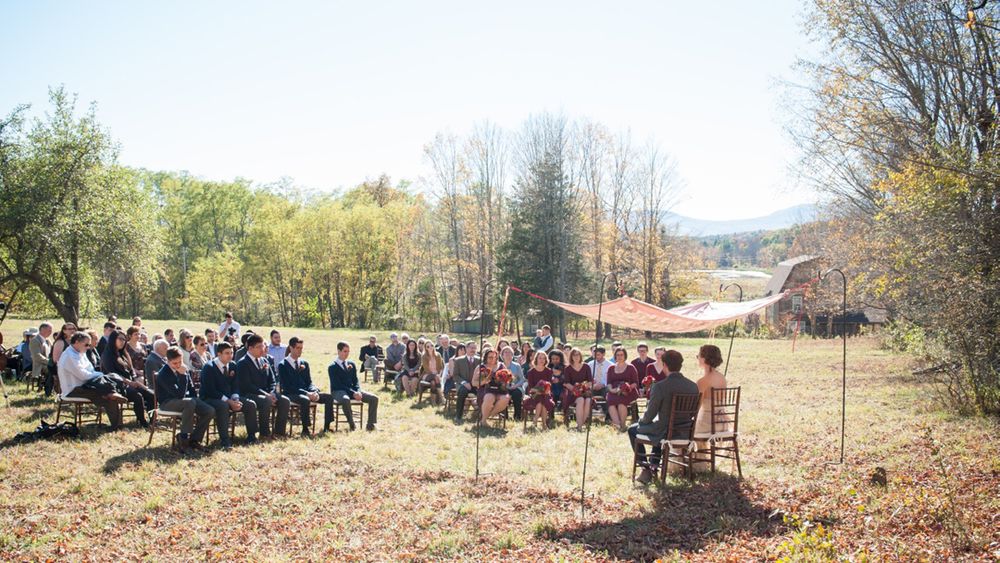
x: 843, y: 375
x: 722, y: 289
x: 482, y: 331
x: 586, y: 447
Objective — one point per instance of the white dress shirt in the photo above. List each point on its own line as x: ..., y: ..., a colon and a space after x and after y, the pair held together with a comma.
x: 600, y: 370
x: 224, y: 330
x: 74, y: 370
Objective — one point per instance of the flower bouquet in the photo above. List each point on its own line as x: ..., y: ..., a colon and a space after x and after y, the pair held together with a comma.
x: 543, y: 389
x: 582, y: 390
x: 647, y: 385
x: 625, y: 389
x: 501, y: 378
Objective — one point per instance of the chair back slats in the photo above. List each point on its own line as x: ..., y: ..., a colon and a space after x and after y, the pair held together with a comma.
x: 684, y: 411
x: 725, y: 409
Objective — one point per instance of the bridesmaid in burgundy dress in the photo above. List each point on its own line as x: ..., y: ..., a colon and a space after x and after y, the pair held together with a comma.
x: 657, y: 370
x: 541, y: 405
x: 623, y: 382
x: 576, y: 373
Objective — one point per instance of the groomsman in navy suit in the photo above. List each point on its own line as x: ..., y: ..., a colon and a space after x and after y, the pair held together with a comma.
x: 220, y: 389
x: 257, y: 384
x: 344, y: 387
x: 297, y: 385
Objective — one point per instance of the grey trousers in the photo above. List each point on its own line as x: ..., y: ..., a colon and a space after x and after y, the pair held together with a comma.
x: 189, y: 407
x: 263, y: 404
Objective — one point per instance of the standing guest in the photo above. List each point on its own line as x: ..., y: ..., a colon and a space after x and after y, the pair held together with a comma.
x: 518, y: 381
x: 643, y: 362
x: 136, y: 351
x: 623, y: 382
x: 109, y: 327
x: 258, y: 384
x: 115, y: 361
x: 431, y: 366
x: 539, y: 401
x: 211, y: 340
x: 275, y: 349
x: 579, y: 383
x: 199, y: 354
x: 229, y: 327
x: 175, y: 392
x: 545, y: 344
x: 369, y: 357
x: 79, y: 379
x: 656, y: 420
x: 155, y: 361
x: 297, y: 385
x: 344, y: 387
x: 394, y: 360
x: 137, y: 322
x: 41, y: 352
x: 493, y: 379
x: 24, y: 349
x: 557, y: 363
x: 168, y: 335
x: 410, y: 374
x: 220, y: 389
x: 465, y: 368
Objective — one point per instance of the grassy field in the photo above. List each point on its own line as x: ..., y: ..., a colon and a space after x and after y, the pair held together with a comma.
x: 408, y: 491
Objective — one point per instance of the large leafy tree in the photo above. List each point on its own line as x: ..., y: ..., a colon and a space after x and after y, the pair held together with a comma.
x: 70, y: 215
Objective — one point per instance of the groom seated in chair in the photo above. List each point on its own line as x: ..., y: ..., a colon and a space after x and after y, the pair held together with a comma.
x: 297, y: 385
x: 656, y: 420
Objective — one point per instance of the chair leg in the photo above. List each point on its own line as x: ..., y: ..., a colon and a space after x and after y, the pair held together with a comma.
x: 152, y: 429
x: 712, y: 454
x: 736, y: 454
x: 59, y: 412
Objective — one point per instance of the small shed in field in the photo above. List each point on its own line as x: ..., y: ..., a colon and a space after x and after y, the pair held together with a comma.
x: 472, y: 322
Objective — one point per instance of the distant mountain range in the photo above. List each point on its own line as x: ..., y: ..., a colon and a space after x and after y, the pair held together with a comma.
x: 778, y: 220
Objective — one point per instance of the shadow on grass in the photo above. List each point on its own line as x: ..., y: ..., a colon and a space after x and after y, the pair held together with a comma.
x: 162, y: 454
x: 684, y: 517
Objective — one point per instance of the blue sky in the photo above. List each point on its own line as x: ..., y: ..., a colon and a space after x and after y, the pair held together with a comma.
x: 329, y: 93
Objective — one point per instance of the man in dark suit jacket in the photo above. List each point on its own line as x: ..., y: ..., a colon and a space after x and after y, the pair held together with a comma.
x: 220, y: 389
x: 155, y: 361
x: 464, y: 368
x: 656, y: 420
x: 257, y: 384
x: 344, y: 387
x: 175, y: 392
x: 297, y: 385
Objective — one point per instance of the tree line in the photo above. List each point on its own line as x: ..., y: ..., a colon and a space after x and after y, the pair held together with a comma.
x: 548, y: 207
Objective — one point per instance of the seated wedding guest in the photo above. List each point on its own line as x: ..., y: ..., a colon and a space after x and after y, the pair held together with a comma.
x: 524, y: 355
x: 557, y: 363
x: 431, y: 367
x: 579, y: 384
x: 369, y: 357
x: 275, y: 349
x: 344, y: 387
x: 599, y: 368
x: 539, y: 402
x: 394, y: 360
x: 60, y: 344
x: 137, y: 322
x: 230, y: 327
x: 92, y: 353
x: 493, y: 380
x: 257, y: 383
x: 211, y: 340
x: 643, y: 362
x: 420, y: 345
x: 115, y: 361
x: 199, y: 354
x: 656, y: 370
x: 464, y: 370
x: 297, y: 385
x: 175, y: 392
x: 656, y: 420
x: 41, y: 355
x: 449, y: 367
x: 155, y: 361
x: 168, y: 335
x: 623, y: 384
x: 136, y: 351
x: 410, y: 374
x: 186, y: 343
x: 24, y: 349
x: 109, y: 327
x: 241, y: 349
x: 501, y: 344
x: 709, y: 360
x: 518, y: 381
x: 79, y: 379
x: 220, y: 389
x: 446, y: 349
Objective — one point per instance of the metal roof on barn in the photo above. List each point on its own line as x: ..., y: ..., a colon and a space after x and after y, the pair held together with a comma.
x: 785, y: 268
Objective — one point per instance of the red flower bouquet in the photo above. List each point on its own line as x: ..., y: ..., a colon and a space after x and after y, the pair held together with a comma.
x: 582, y: 390
x: 502, y: 378
x: 543, y: 389
x: 647, y: 384
x: 626, y: 389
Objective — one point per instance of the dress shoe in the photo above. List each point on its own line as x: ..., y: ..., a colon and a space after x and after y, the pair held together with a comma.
x: 645, y: 476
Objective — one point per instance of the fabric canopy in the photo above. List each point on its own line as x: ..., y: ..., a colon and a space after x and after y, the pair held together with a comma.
x: 639, y: 315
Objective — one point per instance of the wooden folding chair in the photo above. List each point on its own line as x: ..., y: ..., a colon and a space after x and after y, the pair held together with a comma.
x: 723, y: 440
x: 294, y: 416
x: 357, y: 412
x: 683, y: 407
x: 83, y: 410
x: 173, y: 418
